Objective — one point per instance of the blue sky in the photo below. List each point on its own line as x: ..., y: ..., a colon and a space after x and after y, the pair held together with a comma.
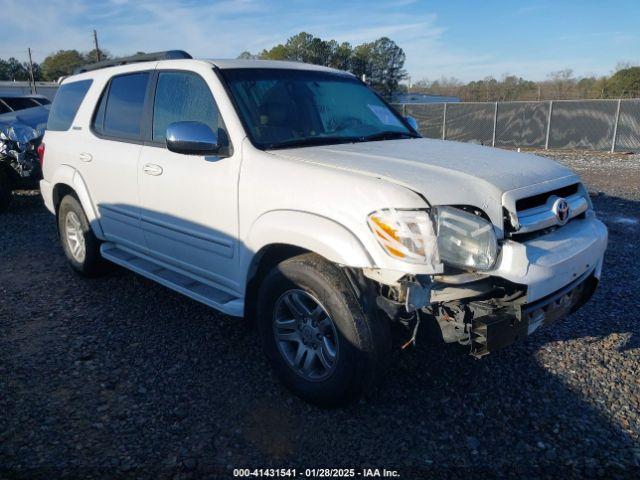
x: 466, y: 39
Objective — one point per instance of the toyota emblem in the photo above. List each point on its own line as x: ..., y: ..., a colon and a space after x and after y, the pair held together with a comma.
x: 561, y: 210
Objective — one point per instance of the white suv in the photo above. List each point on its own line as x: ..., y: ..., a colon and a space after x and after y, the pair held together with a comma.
x: 293, y: 195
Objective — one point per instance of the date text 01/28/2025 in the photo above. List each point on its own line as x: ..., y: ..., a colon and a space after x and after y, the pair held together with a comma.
x: 315, y: 473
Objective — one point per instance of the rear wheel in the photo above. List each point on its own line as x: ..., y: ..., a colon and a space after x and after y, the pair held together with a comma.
x: 321, y: 344
x: 79, y: 243
x: 5, y: 191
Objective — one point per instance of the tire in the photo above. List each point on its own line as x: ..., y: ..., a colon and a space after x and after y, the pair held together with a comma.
x: 5, y: 192
x: 73, y: 223
x: 347, y: 354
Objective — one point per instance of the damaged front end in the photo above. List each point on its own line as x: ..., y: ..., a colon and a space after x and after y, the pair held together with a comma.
x: 490, y: 322
x: 486, y: 311
x: 479, y: 311
x: 18, y: 151
x: 482, y: 291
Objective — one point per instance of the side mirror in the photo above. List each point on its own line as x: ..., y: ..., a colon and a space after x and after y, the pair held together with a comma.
x: 413, y: 123
x: 192, y: 138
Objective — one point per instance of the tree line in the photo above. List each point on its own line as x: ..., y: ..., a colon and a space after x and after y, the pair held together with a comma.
x: 560, y: 85
x: 54, y: 66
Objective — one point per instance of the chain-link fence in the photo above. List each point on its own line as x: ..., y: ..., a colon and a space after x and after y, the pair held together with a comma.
x: 604, y: 125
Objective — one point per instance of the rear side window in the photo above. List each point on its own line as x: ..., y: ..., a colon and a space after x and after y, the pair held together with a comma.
x: 66, y: 104
x: 20, y: 103
x: 181, y: 97
x: 121, y: 106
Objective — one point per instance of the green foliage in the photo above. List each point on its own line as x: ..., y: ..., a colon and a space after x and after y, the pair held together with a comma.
x: 279, y: 52
x: 246, y: 56
x: 92, y: 56
x: 509, y: 88
x: 340, y: 56
x: 381, y: 61
x: 624, y: 82
x: 12, y: 70
x: 61, y: 63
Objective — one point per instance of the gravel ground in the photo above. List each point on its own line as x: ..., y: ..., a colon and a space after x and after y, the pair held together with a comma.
x: 118, y: 376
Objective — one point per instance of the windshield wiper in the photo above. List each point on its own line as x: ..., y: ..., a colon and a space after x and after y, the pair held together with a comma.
x: 311, y: 141
x: 332, y: 140
x: 388, y: 135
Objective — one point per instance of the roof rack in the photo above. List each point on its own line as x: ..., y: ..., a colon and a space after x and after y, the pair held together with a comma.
x: 143, y: 57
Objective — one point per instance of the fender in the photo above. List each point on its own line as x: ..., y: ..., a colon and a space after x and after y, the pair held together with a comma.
x: 67, y: 175
x: 312, y: 232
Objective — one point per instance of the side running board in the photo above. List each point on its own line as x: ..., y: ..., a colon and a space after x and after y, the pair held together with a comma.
x: 179, y: 281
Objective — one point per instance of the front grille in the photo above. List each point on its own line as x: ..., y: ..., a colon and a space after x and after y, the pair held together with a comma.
x: 541, y: 198
x: 536, y: 213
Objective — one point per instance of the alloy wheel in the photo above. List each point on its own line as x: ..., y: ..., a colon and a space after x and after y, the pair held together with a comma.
x: 306, y: 335
x: 75, y: 236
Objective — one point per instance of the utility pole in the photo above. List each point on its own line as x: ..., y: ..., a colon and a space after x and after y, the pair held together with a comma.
x: 95, y: 41
x: 32, y: 82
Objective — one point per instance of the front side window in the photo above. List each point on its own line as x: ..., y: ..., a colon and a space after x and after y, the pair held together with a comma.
x: 121, y: 106
x: 286, y: 108
x: 66, y: 104
x: 182, y: 97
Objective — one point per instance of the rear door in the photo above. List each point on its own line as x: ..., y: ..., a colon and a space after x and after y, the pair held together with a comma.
x: 109, y: 161
x: 189, y: 202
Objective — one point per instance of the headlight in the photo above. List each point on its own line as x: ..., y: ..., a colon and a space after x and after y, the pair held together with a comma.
x: 407, y: 235
x: 465, y: 240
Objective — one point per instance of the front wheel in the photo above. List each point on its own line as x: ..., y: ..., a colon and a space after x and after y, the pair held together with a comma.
x: 321, y: 344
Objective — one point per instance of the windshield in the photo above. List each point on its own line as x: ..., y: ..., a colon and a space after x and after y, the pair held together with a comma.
x: 288, y: 108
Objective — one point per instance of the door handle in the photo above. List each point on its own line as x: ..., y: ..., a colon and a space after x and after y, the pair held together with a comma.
x: 86, y: 157
x: 152, y: 169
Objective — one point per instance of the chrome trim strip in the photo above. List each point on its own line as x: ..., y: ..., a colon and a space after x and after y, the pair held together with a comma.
x: 542, y: 217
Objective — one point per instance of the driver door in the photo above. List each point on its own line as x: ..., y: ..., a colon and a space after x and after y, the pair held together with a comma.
x: 189, y: 202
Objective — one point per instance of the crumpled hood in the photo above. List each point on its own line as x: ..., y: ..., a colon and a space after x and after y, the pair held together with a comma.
x: 444, y: 172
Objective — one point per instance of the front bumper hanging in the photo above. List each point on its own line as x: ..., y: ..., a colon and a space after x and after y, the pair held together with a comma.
x: 496, y: 330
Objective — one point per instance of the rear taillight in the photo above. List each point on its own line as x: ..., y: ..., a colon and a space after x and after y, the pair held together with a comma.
x: 41, y: 154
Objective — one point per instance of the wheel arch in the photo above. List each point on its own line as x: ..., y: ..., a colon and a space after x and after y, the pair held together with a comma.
x: 282, y: 234
x: 262, y: 262
x: 68, y: 181
x: 311, y: 232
